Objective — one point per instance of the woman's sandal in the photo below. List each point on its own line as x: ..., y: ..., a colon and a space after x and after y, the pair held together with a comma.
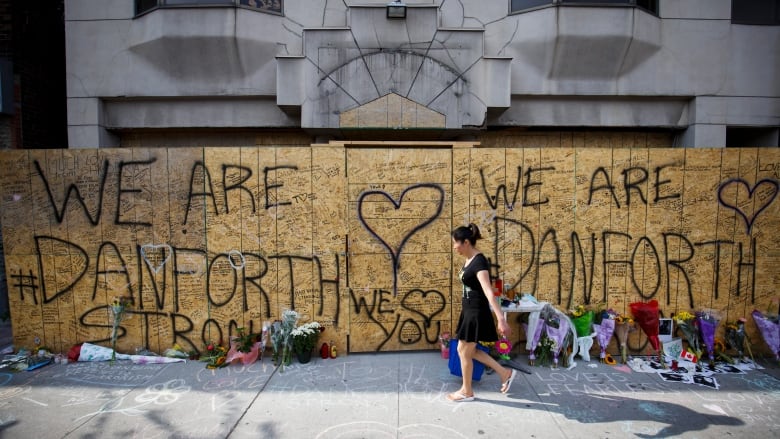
x: 459, y: 397
x: 508, y: 383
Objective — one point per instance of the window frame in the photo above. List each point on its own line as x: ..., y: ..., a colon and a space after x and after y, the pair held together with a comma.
x: 590, y: 3
x: 162, y: 4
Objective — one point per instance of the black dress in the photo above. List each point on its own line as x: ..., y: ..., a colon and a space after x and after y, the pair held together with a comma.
x: 476, y: 319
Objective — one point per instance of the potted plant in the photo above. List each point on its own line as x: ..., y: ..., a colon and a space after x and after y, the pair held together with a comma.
x: 305, y: 338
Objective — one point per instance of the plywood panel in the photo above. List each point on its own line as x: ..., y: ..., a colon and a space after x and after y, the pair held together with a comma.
x: 357, y: 236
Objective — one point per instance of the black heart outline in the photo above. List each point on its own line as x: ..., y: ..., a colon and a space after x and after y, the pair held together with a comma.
x: 395, y: 254
x: 748, y: 221
x: 427, y: 319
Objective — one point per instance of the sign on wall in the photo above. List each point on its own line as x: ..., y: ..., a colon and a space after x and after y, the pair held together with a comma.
x: 206, y: 240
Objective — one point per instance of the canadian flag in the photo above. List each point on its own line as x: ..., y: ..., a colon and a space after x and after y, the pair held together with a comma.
x: 688, y: 355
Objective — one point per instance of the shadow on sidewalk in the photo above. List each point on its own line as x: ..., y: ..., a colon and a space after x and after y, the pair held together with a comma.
x: 596, y: 409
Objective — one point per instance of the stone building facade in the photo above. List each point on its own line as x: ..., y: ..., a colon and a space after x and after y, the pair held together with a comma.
x: 682, y: 73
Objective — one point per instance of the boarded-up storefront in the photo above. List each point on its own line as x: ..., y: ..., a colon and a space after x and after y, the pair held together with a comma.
x: 357, y: 236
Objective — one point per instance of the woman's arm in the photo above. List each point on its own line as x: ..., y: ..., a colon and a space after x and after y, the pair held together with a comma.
x: 487, y: 288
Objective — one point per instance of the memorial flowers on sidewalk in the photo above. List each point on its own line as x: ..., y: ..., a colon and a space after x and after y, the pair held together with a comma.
x: 708, y: 322
x: 582, y: 319
x: 690, y: 327
x: 244, y: 346
x: 646, y: 315
x: 215, y: 356
x: 623, y: 326
x: 536, y: 328
x: 119, y: 308
x: 735, y: 337
x: 605, y: 329
x: 557, y: 329
x: 281, y: 338
x: 305, y: 338
x: 444, y: 344
x: 769, y: 327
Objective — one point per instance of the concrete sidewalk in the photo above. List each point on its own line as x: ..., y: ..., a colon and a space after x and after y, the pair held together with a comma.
x: 382, y: 395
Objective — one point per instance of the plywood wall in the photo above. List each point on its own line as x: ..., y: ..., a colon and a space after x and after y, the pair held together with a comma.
x: 357, y: 236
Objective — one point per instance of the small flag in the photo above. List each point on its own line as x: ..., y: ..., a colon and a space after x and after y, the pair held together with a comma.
x: 688, y: 355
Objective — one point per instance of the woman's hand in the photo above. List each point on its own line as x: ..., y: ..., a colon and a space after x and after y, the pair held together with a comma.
x: 503, y: 327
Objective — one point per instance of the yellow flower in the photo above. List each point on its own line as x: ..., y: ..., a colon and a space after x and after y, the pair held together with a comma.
x: 578, y: 311
x: 684, y: 316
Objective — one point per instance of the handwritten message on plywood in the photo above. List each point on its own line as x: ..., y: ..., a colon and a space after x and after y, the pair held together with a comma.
x: 206, y: 240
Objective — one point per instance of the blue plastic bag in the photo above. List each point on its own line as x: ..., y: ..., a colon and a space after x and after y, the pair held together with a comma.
x: 454, y: 363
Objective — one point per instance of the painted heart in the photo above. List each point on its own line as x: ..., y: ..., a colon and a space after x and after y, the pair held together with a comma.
x: 395, y: 250
x: 156, y: 255
x: 768, y: 196
x: 415, y: 292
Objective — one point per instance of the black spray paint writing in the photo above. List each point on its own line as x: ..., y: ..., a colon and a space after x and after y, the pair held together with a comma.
x: 675, y: 251
x: 395, y: 251
x: 408, y: 331
x: 200, y: 186
x: 227, y: 275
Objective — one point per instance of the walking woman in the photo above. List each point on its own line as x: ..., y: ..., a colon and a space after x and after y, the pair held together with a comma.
x: 475, y: 323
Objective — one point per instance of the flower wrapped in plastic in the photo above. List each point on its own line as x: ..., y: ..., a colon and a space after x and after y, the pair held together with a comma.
x: 623, y: 326
x: 646, y: 316
x: 688, y: 324
x: 534, y: 328
x: 557, y: 328
x: 444, y: 340
x: 735, y: 336
x: 770, y: 331
x: 582, y: 319
x: 281, y: 338
x: 708, y: 323
x: 604, y: 332
x: 244, y: 347
x: 444, y: 344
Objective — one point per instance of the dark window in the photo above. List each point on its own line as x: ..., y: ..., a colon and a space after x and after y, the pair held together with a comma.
x: 755, y: 12
x: 144, y: 5
x: 274, y: 6
x: 519, y: 5
x: 752, y: 137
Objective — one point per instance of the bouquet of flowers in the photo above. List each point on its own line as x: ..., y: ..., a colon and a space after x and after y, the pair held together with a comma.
x: 543, y: 351
x: 735, y: 336
x: 708, y: 322
x: 244, y: 346
x: 536, y: 326
x: 557, y: 329
x: 770, y: 331
x: 623, y: 325
x: 215, y: 356
x: 582, y: 319
x: 444, y: 344
x: 119, y: 307
x: 281, y: 338
x: 604, y: 331
x: 646, y: 315
x: 689, y: 325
